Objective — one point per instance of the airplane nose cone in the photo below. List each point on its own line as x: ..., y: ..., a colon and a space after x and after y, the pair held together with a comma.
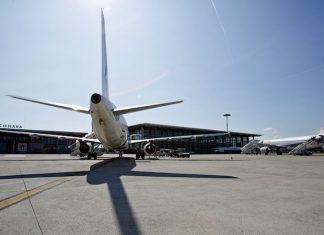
x: 95, y: 98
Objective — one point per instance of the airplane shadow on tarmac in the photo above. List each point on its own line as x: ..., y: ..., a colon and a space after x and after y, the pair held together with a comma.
x: 111, y: 175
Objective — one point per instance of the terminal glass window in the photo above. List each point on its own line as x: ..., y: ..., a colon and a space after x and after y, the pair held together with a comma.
x: 245, y: 140
x: 50, y: 140
x: 239, y: 141
x: 233, y: 141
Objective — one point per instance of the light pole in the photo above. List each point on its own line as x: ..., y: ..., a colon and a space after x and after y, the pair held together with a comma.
x: 227, y: 115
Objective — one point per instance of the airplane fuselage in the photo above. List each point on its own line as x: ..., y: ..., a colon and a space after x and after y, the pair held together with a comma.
x: 111, y: 130
x: 292, y: 141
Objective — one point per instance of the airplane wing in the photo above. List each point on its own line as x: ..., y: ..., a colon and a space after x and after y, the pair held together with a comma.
x: 54, y: 104
x: 120, y: 111
x: 178, y: 137
x: 32, y: 134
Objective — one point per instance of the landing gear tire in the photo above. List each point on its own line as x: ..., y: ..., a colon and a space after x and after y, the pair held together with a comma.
x: 92, y: 155
x: 143, y: 156
x: 137, y: 156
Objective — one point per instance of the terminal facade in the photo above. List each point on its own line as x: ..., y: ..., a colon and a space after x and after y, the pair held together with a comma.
x: 20, y: 143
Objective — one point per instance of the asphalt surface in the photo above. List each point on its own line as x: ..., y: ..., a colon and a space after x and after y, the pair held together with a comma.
x: 206, y: 194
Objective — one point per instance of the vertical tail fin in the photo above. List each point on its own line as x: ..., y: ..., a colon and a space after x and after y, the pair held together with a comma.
x: 322, y: 131
x: 104, y: 66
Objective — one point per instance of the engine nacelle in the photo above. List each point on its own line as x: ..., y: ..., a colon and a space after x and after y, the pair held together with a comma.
x: 149, y: 149
x: 319, y: 138
x: 84, y: 148
x: 265, y: 150
x: 79, y: 148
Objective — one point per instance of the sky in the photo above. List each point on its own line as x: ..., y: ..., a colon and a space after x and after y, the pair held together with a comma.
x: 262, y: 61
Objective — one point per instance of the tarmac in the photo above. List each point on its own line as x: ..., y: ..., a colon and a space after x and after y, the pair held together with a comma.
x: 206, y: 194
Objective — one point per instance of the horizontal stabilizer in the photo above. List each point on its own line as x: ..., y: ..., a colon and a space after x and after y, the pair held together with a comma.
x: 120, y: 111
x: 54, y: 104
x: 32, y: 134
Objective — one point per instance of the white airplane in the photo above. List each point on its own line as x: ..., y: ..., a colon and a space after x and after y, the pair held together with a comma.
x: 296, y: 145
x: 109, y: 125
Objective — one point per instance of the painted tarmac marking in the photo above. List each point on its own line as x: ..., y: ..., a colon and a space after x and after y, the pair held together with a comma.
x: 14, y: 155
x: 29, y: 193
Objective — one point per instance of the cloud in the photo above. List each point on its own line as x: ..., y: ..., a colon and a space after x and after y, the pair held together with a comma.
x: 270, y: 133
x: 268, y: 129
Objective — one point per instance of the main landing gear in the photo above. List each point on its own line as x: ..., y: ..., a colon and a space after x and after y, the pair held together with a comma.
x: 92, y: 155
x: 140, y: 155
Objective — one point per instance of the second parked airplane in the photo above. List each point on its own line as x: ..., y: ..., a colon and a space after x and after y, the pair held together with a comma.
x: 300, y: 145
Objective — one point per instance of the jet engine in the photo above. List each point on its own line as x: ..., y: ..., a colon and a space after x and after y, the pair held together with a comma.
x: 266, y: 150
x: 79, y: 148
x: 84, y: 148
x: 149, y: 149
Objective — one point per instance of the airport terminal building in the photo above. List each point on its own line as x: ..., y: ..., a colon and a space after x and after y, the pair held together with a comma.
x: 19, y: 143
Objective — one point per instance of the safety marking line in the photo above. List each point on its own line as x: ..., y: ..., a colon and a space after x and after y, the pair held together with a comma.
x: 29, y: 193
x: 4, y: 203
